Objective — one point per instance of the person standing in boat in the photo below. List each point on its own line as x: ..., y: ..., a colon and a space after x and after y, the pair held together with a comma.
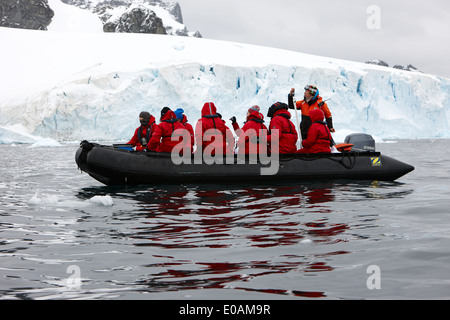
x: 281, y: 121
x: 319, y: 136
x: 312, y: 100
x: 161, y: 140
x: 143, y: 133
x: 184, y: 121
x: 211, y: 130
x: 253, y: 134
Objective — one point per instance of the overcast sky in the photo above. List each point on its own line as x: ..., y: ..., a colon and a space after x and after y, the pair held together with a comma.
x: 396, y: 31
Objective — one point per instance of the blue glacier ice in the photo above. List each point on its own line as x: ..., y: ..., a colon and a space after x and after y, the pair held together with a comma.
x: 97, y: 85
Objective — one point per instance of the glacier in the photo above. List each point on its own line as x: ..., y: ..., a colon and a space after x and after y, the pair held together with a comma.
x: 76, y: 86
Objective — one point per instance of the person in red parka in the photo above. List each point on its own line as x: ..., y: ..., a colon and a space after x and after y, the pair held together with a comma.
x: 251, y: 136
x: 209, y: 125
x: 161, y: 140
x: 234, y: 123
x: 184, y: 121
x: 286, y: 129
x: 143, y: 134
x: 319, y: 137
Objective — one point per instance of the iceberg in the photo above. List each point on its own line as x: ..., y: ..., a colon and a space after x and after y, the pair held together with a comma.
x: 12, y: 135
x: 45, y: 142
x: 17, y: 135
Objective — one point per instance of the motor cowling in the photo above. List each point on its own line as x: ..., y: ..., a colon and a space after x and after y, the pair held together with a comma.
x: 362, y: 142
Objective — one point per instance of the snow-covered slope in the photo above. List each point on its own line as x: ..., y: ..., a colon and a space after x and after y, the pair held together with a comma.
x: 73, y: 19
x: 74, y: 86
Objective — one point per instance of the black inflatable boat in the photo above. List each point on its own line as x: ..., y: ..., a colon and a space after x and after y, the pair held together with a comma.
x: 115, y: 165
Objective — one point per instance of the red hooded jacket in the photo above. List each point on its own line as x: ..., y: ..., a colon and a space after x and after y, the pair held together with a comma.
x: 142, y: 133
x: 161, y: 140
x: 319, y: 136
x: 250, y: 134
x: 211, y: 122
x: 287, y: 132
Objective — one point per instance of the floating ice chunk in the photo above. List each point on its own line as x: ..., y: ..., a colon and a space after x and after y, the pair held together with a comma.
x: 38, y: 199
x: 45, y: 142
x: 35, y: 200
x: 106, y: 201
x: 52, y: 198
x: 306, y: 241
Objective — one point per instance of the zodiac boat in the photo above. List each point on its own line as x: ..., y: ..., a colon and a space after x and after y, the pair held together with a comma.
x: 119, y: 165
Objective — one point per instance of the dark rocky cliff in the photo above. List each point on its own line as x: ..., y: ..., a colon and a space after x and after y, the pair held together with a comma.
x: 25, y: 14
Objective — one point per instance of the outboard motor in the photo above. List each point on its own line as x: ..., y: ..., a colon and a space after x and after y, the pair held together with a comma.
x: 361, y: 142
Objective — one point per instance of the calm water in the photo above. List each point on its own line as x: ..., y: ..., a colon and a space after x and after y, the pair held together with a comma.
x: 63, y: 235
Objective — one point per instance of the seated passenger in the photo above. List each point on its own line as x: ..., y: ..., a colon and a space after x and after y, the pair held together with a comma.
x: 250, y: 136
x: 319, y: 137
x: 286, y: 129
x: 211, y: 130
x: 236, y: 125
x: 161, y: 140
x: 143, y: 133
x: 184, y: 121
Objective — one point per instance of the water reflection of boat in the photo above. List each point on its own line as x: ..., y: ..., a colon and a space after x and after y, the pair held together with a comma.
x: 225, y: 221
x: 246, y: 240
x: 115, y: 166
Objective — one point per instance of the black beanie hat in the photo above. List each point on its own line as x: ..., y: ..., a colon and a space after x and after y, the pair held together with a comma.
x: 164, y: 111
x: 275, y: 107
x: 145, y: 118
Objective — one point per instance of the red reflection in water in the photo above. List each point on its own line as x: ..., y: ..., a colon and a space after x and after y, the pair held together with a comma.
x: 232, y: 272
x: 324, y: 229
x: 318, y: 266
x: 297, y: 293
x: 223, y: 219
x: 208, y: 218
